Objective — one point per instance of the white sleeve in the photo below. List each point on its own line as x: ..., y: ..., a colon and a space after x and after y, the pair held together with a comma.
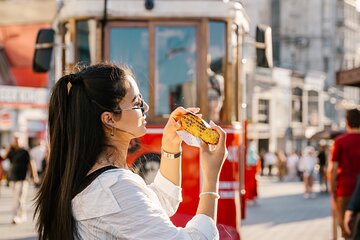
x: 168, y: 193
x: 142, y: 217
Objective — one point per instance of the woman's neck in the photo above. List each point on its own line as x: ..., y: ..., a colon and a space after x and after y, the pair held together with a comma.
x: 114, y: 155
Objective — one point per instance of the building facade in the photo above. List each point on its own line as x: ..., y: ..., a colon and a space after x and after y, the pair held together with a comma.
x: 320, y: 36
x: 312, y: 40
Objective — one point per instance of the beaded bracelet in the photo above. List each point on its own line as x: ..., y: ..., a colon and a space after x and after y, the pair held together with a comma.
x: 210, y: 193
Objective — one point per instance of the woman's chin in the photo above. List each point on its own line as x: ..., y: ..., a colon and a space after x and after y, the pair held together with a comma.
x: 141, y: 132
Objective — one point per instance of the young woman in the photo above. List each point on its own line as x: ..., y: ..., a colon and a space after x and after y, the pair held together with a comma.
x: 89, y: 192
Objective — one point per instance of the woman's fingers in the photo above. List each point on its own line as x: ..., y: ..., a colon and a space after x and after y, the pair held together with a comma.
x: 193, y: 109
x: 179, y: 111
x: 204, y: 147
x: 174, y: 119
x: 222, y: 133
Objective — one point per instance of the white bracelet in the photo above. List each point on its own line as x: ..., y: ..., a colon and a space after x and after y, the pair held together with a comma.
x: 215, y: 194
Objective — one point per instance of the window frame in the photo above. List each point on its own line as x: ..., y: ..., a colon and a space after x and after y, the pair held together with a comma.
x: 201, y: 25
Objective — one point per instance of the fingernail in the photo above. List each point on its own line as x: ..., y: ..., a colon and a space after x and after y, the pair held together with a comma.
x: 212, y: 123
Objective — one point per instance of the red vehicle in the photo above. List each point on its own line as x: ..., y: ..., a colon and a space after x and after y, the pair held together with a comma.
x: 183, y: 53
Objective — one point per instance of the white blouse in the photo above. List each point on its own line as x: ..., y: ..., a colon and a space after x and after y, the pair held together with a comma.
x: 119, y: 205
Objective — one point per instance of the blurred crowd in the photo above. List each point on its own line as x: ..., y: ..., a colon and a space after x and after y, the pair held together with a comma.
x: 19, y: 168
x: 304, y: 166
x: 335, y: 163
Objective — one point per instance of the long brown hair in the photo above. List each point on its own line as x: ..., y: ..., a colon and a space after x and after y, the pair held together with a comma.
x: 77, y: 138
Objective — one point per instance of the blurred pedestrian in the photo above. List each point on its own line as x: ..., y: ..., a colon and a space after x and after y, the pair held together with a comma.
x: 322, y: 156
x: 89, y: 192
x: 20, y: 164
x: 292, y: 163
x: 37, y: 153
x: 2, y: 155
x: 5, y: 164
x: 307, y: 164
x: 252, y: 159
x: 352, y: 213
x: 2, y: 171
x: 262, y: 161
x: 344, y: 166
x: 300, y: 172
x: 281, y: 164
x: 270, y: 160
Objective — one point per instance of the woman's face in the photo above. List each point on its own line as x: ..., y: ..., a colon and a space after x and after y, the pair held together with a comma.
x: 133, y: 108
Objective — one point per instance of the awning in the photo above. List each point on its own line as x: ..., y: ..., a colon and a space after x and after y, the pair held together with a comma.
x: 349, y: 77
x: 327, y: 134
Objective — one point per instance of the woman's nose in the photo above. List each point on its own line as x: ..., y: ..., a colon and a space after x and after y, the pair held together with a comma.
x: 146, y: 107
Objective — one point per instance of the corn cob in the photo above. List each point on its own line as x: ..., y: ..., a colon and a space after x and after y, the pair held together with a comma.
x: 196, y: 126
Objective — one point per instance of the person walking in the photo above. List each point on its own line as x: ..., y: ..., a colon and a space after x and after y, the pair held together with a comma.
x: 292, y: 165
x: 270, y: 160
x: 262, y: 161
x: 281, y: 164
x: 344, y: 167
x: 252, y: 159
x: 89, y: 191
x: 322, y: 156
x: 37, y: 153
x: 2, y: 170
x: 4, y: 164
x: 20, y: 163
x: 307, y: 164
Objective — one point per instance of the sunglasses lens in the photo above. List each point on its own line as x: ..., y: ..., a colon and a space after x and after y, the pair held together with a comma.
x: 142, y: 106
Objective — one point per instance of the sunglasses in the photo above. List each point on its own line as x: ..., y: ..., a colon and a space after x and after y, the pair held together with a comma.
x: 119, y: 110
x: 140, y: 106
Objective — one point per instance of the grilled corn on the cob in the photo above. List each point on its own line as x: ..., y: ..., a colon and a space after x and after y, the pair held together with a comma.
x: 195, y: 126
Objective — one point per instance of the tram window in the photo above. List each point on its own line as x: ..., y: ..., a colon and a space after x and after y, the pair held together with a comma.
x: 216, y: 57
x: 82, y: 40
x: 130, y: 46
x: 175, y: 77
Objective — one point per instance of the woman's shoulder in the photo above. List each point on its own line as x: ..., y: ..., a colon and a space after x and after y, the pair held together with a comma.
x: 119, y: 175
x: 117, y: 182
x: 99, y: 198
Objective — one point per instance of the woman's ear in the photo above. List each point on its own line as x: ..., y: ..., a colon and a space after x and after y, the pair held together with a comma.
x: 107, y: 119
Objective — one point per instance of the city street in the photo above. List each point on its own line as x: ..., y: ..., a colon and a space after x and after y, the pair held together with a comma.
x: 9, y: 231
x: 281, y: 212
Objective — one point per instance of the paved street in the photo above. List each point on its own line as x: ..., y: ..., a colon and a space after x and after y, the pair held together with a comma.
x: 281, y: 212
x: 10, y: 231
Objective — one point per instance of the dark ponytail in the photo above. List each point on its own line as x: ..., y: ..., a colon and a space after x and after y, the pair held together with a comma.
x: 76, y: 139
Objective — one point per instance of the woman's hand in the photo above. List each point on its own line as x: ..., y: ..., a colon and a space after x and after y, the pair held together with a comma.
x: 170, y: 140
x: 213, y: 157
